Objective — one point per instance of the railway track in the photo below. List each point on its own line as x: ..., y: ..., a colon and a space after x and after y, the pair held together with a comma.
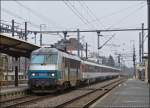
x: 84, y: 101
x: 22, y: 100
x: 81, y: 97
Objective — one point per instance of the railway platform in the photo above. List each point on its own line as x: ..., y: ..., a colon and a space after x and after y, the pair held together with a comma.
x: 131, y: 94
x: 11, y: 91
x: 12, y: 88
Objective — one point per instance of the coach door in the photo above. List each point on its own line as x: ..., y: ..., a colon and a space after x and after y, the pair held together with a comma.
x: 67, y: 69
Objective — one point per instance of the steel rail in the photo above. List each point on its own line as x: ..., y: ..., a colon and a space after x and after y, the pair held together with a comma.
x: 23, y: 100
x: 102, y: 91
x: 29, y: 100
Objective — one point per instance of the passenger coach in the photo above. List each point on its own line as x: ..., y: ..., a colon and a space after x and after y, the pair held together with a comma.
x: 92, y: 72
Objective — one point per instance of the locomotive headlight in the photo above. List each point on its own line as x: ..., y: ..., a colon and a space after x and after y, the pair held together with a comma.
x: 53, y: 74
x: 33, y: 74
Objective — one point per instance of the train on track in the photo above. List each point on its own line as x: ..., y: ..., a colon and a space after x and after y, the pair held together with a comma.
x: 52, y: 69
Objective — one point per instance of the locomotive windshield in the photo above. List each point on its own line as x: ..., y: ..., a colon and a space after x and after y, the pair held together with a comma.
x: 44, y: 59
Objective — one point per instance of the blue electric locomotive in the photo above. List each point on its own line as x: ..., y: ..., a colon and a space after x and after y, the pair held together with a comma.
x: 51, y: 69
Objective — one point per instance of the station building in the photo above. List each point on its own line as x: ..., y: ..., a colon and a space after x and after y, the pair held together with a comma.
x: 7, y: 67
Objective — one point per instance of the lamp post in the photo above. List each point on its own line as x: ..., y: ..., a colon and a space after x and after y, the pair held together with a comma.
x: 84, y: 44
x: 41, y: 33
x: 148, y: 8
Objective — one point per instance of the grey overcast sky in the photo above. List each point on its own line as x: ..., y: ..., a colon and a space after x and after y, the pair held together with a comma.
x: 60, y: 15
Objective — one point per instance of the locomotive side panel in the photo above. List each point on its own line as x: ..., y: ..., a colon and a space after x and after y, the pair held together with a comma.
x: 71, y: 71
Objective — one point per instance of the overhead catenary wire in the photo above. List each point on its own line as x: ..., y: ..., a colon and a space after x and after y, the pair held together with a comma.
x: 89, y: 16
x: 145, y: 37
x: 40, y: 16
x: 85, y: 6
x: 125, y: 17
x: 12, y: 13
x: 92, y: 14
x: 77, y: 13
x: 130, y: 15
x: 19, y: 17
x: 8, y: 23
x: 106, y: 41
x: 74, y: 12
x: 32, y: 11
x: 112, y: 14
x: 84, y: 17
x: 117, y: 12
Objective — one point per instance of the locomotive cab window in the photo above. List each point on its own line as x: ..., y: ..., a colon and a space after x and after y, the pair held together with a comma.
x: 44, y: 59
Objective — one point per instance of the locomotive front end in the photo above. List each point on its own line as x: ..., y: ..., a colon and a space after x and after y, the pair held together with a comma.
x: 43, y: 72
x: 42, y: 80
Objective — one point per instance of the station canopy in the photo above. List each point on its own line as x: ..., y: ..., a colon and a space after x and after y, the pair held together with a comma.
x: 16, y: 47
